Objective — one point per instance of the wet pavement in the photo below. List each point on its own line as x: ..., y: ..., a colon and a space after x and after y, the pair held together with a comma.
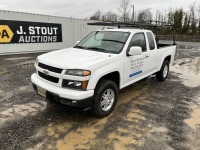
x: 149, y: 114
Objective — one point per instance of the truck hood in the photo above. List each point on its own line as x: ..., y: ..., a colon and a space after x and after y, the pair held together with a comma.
x: 73, y: 58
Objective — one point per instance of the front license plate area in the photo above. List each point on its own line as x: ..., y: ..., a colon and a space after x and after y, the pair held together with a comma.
x: 41, y: 91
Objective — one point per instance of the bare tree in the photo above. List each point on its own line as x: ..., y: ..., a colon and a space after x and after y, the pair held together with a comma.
x: 170, y: 16
x: 109, y: 16
x: 124, y: 10
x: 186, y: 24
x: 198, y: 10
x: 96, y: 15
x: 193, y: 20
x: 160, y: 16
x: 144, y: 15
x: 165, y: 16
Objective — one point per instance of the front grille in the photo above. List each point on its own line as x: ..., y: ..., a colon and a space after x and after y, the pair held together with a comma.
x: 50, y: 68
x: 49, y: 78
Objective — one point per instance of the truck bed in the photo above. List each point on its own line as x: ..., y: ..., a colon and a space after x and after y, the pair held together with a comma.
x: 165, y: 50
x: 162, y: 44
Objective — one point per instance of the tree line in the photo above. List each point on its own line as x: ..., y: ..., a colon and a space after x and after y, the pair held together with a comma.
x: 187, y: 21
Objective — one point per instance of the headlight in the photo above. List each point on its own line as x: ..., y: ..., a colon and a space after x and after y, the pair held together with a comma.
x: 80, y: 85
x: 76, y: 72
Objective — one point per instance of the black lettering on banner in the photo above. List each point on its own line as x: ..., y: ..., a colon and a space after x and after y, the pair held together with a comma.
x: 31, y: 32
x: 4, y: 34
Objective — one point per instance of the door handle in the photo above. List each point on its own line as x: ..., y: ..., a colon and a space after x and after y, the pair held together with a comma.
x: 146, y: 56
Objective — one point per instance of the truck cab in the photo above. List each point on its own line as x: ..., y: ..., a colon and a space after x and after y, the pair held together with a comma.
x: 104, y: 62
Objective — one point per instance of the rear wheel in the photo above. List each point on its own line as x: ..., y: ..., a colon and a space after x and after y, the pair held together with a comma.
x: 105, y: 98
x: 164, y: 71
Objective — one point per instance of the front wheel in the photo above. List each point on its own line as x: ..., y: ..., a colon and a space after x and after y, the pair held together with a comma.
x: 164, y: 71
x: 105, y: 98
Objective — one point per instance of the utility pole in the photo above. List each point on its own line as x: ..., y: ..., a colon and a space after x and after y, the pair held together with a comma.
x: 133, y: 15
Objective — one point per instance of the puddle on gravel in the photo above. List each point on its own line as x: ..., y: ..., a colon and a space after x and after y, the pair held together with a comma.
x: 23, y: 88
x: 158, y: 136
x: 188, y: 70
x: 65, y: 136
x: 131, y: 92
x: 159, y: 129
x: 5, y: 95
x: 194, y: 121
x: 127, y: 96
x: 21, y: 111
x: 18, y: 58
x: 27, y: 64
x: 2, y: 71
x: 55, y: 131
x: 131, y: 132
x: 82, y: 138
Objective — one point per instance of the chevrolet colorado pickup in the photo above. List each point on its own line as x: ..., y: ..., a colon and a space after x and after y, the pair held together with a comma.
x: 107, y: 60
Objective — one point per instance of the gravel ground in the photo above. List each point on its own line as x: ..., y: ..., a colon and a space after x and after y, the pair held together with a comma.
x: 149, y: 114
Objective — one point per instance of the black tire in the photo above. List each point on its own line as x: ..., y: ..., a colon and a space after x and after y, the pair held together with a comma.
x: 160, y: 76
x: 101, y: 88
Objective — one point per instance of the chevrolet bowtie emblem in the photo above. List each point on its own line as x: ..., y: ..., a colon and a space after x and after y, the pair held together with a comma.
x: 46, y: 72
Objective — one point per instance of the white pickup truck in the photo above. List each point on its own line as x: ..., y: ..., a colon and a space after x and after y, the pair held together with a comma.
x: 92, y: 73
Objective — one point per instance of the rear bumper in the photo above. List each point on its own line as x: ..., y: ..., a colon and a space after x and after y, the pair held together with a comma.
x: 64, y: 96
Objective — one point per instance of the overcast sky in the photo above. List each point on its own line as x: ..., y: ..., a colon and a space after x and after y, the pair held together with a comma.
x: 85, y: 8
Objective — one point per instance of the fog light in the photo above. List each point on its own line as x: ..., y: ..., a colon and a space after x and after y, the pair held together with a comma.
x: 81, y: 85
x: 76, y: 83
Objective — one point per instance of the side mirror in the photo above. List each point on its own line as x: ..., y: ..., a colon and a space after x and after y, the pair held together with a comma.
x: 135, y: 50
x: 77, y: 42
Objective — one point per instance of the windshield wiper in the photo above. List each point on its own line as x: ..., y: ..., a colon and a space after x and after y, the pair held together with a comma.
x: 113, y: 41
x: 81, y: 47
x: 97, y: 49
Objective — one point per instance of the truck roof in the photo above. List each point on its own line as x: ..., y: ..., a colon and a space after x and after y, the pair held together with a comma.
x: 125, y: 30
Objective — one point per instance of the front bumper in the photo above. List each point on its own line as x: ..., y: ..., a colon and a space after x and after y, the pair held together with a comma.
x: 64, y: 96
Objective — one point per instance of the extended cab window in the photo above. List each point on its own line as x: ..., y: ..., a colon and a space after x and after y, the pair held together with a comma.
x: 138, y: 40
x: 151, y: 41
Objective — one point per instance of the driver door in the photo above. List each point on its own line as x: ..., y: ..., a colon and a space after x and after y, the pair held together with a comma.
x: 136, y: 66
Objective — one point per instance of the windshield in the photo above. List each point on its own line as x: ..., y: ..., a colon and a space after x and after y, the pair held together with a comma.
x: 104, y: 41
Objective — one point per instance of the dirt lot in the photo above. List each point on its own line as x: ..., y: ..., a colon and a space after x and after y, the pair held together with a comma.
x: 149, y: 114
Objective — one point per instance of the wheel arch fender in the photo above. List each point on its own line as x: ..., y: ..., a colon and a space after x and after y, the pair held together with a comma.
x: 166, y: 57
x: 100, y: 74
